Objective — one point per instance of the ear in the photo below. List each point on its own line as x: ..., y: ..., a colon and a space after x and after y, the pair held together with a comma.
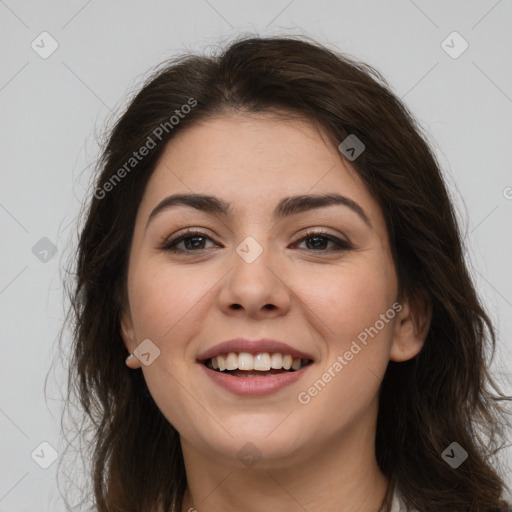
x: 129, y: 338
x: 411, y: 328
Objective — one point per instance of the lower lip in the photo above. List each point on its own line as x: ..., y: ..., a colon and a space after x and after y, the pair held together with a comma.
x: 255, y: 386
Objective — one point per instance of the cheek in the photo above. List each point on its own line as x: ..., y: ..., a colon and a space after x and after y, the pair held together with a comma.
x: 163, y: 303
x: 358, y: 309
x: 351, y: 300
x: 161, y: 298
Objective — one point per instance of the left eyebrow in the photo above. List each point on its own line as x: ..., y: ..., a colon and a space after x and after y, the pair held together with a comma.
x: 288, y: 206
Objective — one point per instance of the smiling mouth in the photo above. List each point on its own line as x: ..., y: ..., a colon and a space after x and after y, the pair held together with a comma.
x: 264, y: 364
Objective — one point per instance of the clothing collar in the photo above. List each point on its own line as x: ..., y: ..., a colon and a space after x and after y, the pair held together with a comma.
x: 397, y: 504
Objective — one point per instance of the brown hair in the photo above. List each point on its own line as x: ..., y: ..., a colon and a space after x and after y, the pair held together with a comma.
x: 442, y: 395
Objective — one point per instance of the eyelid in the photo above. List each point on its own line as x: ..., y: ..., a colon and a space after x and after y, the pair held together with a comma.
x: 165, y: 241
x: 341, y: 242
x: 170, y: 243
x: 321, y: 231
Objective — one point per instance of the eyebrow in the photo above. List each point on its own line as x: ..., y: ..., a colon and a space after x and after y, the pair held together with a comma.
x: 288, y: 206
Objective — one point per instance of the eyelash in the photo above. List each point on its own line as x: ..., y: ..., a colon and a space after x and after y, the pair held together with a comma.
x: 171, y: 245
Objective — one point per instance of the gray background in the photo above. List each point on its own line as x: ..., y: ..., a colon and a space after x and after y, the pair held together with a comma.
x: 53, y: 108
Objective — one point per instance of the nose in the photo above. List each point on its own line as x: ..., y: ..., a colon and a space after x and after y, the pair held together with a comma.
x: 255, y: 289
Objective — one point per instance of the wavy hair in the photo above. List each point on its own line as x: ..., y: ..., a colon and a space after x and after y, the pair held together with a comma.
x: 442, y: 395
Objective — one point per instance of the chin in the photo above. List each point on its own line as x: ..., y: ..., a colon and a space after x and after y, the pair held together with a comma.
x: 263, y: 447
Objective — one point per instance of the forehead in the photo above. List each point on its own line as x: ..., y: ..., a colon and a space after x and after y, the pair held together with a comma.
x: 252, y: 161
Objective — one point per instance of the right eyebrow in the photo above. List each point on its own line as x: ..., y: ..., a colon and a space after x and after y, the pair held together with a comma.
x: 288, y: 206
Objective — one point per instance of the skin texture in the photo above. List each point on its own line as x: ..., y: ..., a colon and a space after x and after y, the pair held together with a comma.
x: 318, y: 456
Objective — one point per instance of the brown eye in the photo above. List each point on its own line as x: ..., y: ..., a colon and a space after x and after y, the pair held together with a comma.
x: 320, y: 239
x: 192, y: 242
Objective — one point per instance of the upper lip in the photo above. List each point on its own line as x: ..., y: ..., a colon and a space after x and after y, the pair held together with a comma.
x: 252, y: 347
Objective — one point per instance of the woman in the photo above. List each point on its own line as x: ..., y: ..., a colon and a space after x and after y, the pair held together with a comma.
x: 272, y: 243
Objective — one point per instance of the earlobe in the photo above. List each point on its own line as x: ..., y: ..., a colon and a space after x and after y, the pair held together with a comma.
x: 411, y: 328
x: 132, y: 362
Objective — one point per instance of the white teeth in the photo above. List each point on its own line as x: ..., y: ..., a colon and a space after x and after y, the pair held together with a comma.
x: 262, y: 362
x: 231, y: 361
x: 245, y: 361
x: 276, y: 361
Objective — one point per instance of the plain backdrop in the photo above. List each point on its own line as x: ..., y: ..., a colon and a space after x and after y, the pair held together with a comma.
x: 54, y: 105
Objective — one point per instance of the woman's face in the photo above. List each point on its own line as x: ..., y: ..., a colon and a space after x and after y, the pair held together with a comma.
x: 317, y: 277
